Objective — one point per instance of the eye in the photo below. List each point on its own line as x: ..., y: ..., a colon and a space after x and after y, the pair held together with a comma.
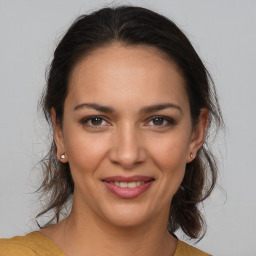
x: 161, y: 121
x: 94, y: 122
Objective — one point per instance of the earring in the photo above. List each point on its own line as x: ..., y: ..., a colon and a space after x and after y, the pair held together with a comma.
x: 191, y: 155
x: 63, y: 156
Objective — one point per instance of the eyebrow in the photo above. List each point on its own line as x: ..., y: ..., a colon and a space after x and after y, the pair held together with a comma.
x: 95, y: 106
x: 144, y: 110
x: 157, y: 107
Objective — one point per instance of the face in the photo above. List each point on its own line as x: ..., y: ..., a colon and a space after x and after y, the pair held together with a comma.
x: 127, y: 134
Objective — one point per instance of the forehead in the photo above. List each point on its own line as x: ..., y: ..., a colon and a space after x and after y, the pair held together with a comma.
x: 118, y: 59
x: 121, y: 72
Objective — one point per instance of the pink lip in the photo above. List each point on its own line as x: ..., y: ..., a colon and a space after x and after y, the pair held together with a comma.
x: 128, y: 179
x: 128, y: 193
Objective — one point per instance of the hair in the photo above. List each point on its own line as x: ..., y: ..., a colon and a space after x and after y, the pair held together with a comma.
x: 134, y: 26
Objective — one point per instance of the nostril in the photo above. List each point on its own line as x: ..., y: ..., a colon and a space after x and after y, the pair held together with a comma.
x: 127, y: 157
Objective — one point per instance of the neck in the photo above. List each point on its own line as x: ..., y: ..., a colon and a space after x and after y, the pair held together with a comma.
x: 86, y: 234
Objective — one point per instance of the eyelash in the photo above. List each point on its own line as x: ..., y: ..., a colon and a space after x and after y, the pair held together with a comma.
x: 170, y: 121
x: 87, y: 119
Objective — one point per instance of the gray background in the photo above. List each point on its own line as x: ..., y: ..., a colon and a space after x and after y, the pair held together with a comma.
x: 223, y: 33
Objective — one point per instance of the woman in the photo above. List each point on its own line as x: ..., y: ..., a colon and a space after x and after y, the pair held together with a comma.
x: 130, y: 103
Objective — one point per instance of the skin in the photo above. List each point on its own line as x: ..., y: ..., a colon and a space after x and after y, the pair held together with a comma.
x: 126, y: 142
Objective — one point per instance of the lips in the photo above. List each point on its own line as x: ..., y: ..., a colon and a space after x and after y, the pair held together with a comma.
x: 128, y: 187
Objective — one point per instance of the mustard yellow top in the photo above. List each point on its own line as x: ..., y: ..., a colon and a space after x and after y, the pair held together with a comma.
x: 37, y: 244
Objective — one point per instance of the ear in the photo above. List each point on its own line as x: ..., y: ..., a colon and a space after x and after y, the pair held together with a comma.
x: 58, y: 138
x: 198, y: 134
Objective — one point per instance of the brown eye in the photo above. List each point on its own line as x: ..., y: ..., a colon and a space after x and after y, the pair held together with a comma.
x: 96, y: 121
x: 158, y: 121
x: 161, y: 121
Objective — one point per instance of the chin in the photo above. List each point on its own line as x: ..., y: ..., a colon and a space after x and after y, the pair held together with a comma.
x: 126, y: 216
x: 127, y: 221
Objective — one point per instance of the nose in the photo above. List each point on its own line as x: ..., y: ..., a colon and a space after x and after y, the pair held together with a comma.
x: 127, y: 147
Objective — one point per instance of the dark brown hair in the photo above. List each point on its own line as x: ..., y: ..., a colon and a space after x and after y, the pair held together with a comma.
x: 134, y: 26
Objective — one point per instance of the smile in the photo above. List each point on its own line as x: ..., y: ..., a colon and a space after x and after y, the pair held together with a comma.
x: 128, y: 187
x: 132, y: 184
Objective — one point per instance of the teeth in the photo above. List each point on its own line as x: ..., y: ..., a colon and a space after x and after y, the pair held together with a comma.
x: 131, y: 184
x: 123, y: 184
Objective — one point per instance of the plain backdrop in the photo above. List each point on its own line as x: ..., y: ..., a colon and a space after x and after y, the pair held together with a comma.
x: 224, y: 35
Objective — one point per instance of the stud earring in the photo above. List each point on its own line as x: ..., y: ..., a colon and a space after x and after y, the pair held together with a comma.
x: 191, y: 155
x: 63, y: 156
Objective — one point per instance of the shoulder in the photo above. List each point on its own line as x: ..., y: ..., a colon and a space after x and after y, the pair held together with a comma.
x: 188, y: 250
x: 32, y: 244
x: 15, y: 246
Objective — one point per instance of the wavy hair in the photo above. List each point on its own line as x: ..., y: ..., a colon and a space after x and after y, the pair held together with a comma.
x: 132, y: 26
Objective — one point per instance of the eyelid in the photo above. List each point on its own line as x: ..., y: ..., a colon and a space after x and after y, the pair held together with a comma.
x: 170, y: 120
x: 88, y: 118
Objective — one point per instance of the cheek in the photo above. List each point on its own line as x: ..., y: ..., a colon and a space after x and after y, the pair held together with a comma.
x: 170, y: 156
x: 170, y: 151
x: 85, y: 153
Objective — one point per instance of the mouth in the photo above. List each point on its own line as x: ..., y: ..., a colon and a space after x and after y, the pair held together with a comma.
x: 128, y: 187
x: 132, y: 184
